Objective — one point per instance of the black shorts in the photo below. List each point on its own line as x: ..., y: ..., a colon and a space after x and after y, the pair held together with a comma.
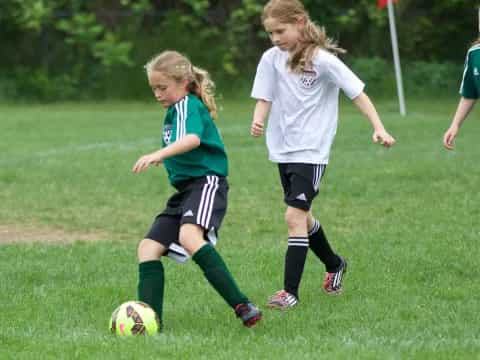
x: 300, y: 183
x: 202, y: 202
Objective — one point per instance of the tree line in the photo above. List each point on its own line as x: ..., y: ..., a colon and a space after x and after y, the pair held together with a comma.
x: 60, y: 49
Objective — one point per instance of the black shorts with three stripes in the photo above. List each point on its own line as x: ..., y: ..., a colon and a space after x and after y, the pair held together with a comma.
x: 201, y: 201
x: 301, y: 183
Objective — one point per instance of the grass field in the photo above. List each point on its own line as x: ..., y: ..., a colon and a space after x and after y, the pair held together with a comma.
x: 406, y: 218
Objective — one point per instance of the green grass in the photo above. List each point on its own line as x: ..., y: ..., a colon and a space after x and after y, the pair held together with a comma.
x: 406, y: 218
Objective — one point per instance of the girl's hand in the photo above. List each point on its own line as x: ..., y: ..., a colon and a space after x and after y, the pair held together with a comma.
x: 145, y: 161
x: 257, y: 128
x: 384, y: 137
x: 449, y: 136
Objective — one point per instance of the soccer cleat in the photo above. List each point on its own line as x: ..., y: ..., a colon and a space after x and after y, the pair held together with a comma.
x: 248, y: 313
x: 332, y: 284
x: 282, y: 300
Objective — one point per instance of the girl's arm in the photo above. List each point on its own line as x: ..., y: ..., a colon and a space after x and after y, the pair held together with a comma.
x: 262, y: 108
x: 363, y: 102
x: 464, y: 107
x: 185, y: 144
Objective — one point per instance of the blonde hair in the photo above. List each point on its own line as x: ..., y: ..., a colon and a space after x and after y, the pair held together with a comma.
x: 178, y: 67
x: 312, y: 36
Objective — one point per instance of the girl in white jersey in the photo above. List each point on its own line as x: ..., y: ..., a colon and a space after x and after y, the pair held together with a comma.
x: 297, y: 86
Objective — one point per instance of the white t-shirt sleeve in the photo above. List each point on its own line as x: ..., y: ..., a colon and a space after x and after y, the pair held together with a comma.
x: 264, y: 83
x: 343, y: 77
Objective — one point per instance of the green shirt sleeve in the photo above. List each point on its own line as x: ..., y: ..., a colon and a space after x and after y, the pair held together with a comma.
x: 194, y: 122
x: 468, y: 88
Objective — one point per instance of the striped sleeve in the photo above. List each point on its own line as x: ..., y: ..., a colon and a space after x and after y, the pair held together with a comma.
x: 188, y: 119
x: 468, y: 88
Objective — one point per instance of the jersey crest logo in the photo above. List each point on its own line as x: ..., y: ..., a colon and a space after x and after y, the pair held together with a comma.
x: 167, y: 134
x: 475, y: 71
x: 308, y: 78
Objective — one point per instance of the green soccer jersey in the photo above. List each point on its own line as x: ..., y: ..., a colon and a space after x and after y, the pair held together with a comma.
x: 470, y: 87
x: 191, y: 116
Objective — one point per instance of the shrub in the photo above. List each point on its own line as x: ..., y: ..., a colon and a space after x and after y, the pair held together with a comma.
x: 420, y: 78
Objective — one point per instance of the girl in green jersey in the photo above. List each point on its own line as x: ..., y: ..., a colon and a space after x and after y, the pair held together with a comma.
x: 469, y: 91
x: 194, y: 156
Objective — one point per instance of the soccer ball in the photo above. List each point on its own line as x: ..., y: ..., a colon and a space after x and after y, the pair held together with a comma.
x: 134, y: 318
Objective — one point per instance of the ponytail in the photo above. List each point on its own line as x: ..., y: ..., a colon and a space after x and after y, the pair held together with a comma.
x: 203, y: 86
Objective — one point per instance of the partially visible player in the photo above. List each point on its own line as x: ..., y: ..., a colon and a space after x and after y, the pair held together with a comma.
x: 193, y: 154
x: 469, y: 91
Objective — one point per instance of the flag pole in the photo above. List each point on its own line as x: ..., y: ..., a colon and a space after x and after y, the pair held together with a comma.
x: 396, y: 57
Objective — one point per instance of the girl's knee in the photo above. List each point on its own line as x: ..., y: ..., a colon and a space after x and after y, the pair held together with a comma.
x: 310, y: 219
x: 191, y: 238
x: 295, y: 217
x: 149, y: 250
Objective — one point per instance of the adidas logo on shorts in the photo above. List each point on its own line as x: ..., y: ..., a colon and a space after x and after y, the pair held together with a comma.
x: 302, y: 197
x: 188, y: 213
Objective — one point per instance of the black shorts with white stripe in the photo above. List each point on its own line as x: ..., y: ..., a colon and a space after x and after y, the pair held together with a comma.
x: 201, y: 201
x: 301, y: 183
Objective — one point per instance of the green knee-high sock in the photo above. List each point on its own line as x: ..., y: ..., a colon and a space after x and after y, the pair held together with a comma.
x: 218, y: 275
x: 151, y: 284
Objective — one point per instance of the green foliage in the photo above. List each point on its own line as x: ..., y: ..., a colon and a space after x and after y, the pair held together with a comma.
x: 198, y: 48
x: 240, y: 33
x: 110, y: 51
x: 420, y: 78
x: 376, y: 73
x: 81, y: 30
x: 94, y: 42
x: 424, y: 78
x: 138, y: 7
x: 31, y: 14
x: 35, y: 84
x: 199, y: 7
x: 425, y: 29
x: 90, y: 38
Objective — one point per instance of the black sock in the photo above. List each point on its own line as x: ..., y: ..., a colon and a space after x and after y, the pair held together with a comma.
x: 294, y: 263
x: 218, y: 275
x: 151, y: 284
x: 320, y: 246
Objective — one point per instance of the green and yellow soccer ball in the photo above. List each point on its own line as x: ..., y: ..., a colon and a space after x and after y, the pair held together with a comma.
x: 134, y: 318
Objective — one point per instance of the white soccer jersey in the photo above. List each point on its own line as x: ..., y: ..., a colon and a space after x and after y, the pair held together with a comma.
x: 303, y: 119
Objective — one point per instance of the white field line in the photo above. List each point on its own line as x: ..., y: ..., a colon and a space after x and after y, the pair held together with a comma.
x: 68, y: 150
x: 119, y: 146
